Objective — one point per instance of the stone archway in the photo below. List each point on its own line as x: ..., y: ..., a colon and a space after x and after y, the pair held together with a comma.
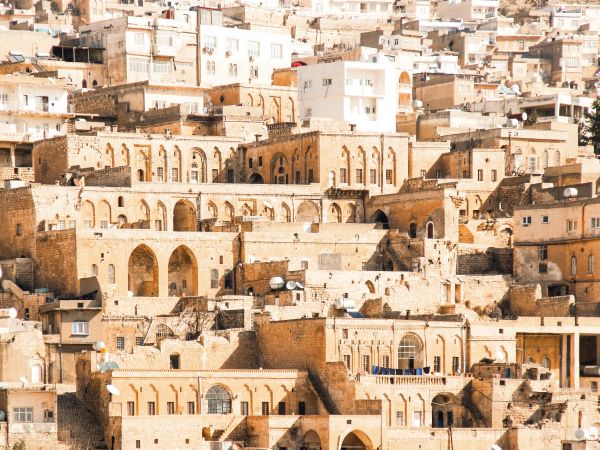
x: 380, y: 217
x: 183, y: 273
x: 311, y: 440
x: 143, y: 272
x: 308, y: 212
x: 356, y: 440
x: 184, y: 216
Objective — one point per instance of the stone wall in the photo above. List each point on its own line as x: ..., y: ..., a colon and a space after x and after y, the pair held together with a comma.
x: 112, y: 176
x: 473, y: 259
x: 56, y: 262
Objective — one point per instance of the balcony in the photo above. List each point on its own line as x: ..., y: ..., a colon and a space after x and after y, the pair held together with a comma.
x: 404, y: 380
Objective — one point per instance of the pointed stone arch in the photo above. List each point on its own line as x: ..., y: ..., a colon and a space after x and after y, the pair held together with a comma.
x: 88, y: 214
x: 143, y: 272
x: 104, y: 215
x: 184, y: 216
x: 335, y: 213
x: 286, y: 213
x: 183, y: 272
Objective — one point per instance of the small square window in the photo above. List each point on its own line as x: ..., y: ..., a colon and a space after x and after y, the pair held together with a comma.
x: 545, y: 219
x: 120, y: 343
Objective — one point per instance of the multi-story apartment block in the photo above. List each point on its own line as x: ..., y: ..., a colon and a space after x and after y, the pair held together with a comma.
x: 565, y: 55
x: 361, y: 93
x: 468, y: 10
x: 31, y: 109
x: 191, y: 49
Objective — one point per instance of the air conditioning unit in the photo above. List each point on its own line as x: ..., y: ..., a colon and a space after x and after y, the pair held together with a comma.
x: 208, y: 49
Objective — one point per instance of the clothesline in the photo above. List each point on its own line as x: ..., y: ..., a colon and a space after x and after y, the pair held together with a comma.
x: 376, y: 370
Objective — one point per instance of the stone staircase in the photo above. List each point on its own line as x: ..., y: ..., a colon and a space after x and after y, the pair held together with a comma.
x: 77, y: 426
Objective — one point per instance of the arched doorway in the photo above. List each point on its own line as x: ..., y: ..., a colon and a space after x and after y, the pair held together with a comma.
x: 380, y: 217
x: 183, y: 272
x: 412, y: 230
x: 218, y: 401
x: 184, y: 216
x: 356, y: 440
x: 311, y: 441
x: 143, y: 272
x: 445, y: 410
x: 308, y: 212
x: 256, y: 178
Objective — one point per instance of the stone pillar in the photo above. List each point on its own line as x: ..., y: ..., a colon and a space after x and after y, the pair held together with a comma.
x: 163, y: 277
x: 13, y: 159
x: 575, y: 361
x: 563, y: 361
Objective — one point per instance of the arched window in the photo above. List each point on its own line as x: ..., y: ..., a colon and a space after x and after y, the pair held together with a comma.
x: 573, y: 265
x: 94, y: 270
x: 27, y: 315
x: 430, y: 230
x: 409, y: 352
x: 214, y: 278
x: 412, y: 230
x: 120, y: 202
x: 557, y: 158
x: 218, y: 401
x: 221, y: 259
x: 122, y: 219
x: 84, y: 84
x: 111, y: 273
x: 546, y: 158
x: 590, y: 264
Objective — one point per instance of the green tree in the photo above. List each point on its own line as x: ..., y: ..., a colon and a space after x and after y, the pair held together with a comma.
x: 591, y: 129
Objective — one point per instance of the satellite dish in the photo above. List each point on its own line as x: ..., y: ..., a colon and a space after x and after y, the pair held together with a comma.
x: 12, y: 313
x: 113, y: 389
x: 129, y: 294
x: 99, y: 345
x: 570, y: 192
x: 496, y: 447
x: 579, y: 434
x: 299, y: 285
x: 276, y: 283
x: 290, y: 285
x: 524, y: 116
x: 0, y: 271
x: 23, y: 380
x: 516, y: 89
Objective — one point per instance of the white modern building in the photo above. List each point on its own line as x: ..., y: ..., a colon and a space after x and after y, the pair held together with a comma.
x: 232, y: 55
x: 180, y: 51
x: 363, y: 94
x: 468, y: 10
x: 32, y: 108
x: 372, y: 8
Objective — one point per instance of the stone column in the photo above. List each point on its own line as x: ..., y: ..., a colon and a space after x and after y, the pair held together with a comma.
x: 563, y: 361
x: 575, y: 361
